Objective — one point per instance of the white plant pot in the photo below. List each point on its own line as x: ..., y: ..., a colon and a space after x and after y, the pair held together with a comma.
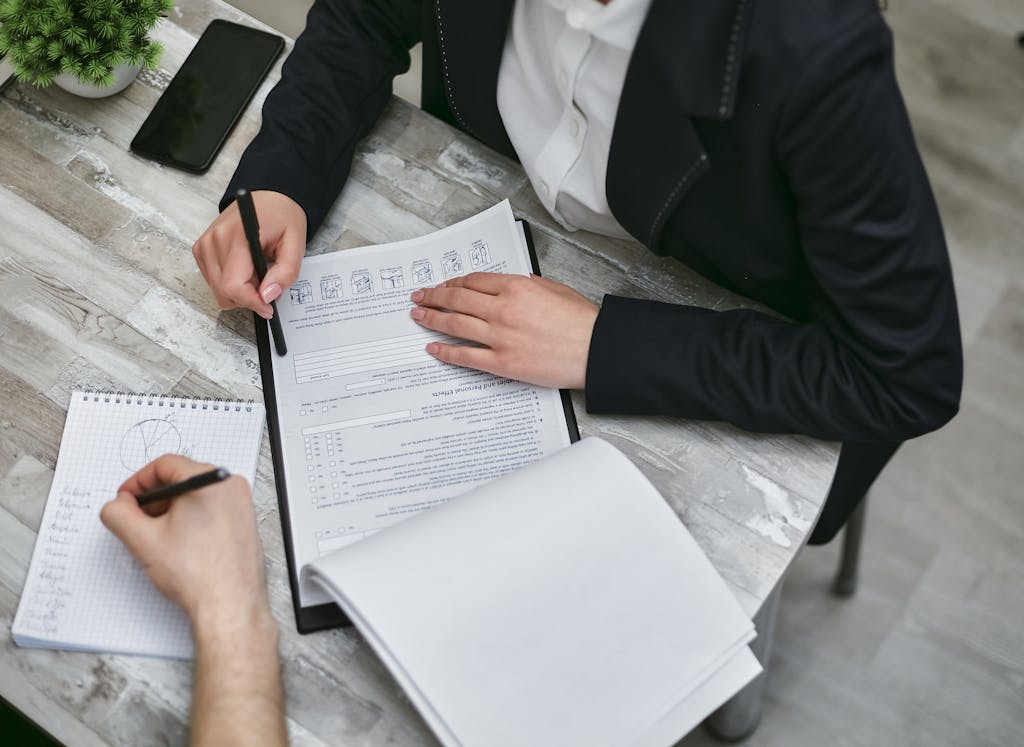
x: 123, y: 76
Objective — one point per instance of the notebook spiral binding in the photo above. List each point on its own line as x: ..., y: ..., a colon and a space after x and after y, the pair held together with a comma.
x: 169, y: 401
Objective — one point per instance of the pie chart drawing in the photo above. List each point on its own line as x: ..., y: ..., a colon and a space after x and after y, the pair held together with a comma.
x: 146, y: 440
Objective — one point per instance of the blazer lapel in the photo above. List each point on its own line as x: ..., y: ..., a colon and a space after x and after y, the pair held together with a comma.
x: 471, y: 40
x: 685, y: 64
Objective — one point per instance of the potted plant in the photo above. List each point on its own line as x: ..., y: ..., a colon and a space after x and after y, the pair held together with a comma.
x: 90, y: 47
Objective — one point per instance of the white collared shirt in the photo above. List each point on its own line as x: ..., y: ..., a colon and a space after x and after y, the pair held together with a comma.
x: 559, y: 84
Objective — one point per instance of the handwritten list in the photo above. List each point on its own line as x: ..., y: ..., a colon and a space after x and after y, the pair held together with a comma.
x: 84, y: 591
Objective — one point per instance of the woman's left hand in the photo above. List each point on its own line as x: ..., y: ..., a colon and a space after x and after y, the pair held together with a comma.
x: 534, y: 330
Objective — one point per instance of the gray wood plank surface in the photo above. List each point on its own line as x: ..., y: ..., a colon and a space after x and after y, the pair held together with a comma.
x: 98, y: 289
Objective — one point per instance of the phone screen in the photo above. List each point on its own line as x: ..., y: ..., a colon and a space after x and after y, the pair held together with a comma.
x: 207, y: 95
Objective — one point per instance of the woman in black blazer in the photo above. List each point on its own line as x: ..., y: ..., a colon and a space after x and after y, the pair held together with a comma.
x: 765, y: 145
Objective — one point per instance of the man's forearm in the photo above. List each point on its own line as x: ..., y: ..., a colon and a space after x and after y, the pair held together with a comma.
x: 237, y: 698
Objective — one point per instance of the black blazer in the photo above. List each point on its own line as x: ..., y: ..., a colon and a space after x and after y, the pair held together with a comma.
x: 765, y: 145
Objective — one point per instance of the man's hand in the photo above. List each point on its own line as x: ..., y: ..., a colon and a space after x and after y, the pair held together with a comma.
x: 201, y: 550
x: 535, y: 330
x: 222, y: 253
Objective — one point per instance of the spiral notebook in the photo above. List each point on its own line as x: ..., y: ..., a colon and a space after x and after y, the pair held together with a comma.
x: 84, y: 591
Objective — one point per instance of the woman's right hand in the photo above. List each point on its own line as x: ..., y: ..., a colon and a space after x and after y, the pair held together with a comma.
x: 222, y: 253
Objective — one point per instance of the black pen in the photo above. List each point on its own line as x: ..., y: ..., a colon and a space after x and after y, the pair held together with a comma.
x: 175, y: 489
x: 252, y: 235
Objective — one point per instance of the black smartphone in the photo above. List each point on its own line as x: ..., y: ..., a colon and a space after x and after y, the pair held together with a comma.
x: 207, y: 95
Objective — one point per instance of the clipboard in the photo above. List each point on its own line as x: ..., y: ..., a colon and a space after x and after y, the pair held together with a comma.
x: 323, y: 616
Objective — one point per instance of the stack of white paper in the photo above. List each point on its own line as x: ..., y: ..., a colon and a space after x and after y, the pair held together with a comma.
x: 562, y: 604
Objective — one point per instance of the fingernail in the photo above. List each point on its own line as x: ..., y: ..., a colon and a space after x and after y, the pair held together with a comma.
x: 271, y: 293
x: 417, y: 296
x: 418, y: 313
x: 266, y: 314
x: 432, y: 348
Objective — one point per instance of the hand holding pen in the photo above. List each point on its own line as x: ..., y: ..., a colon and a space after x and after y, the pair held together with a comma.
x: 225, y: 259
x: 203, y: 553
x: 174, y: 489
x: 198, y: 544
x: 251, y: 226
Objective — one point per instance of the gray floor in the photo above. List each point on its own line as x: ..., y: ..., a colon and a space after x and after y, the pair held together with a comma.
x: 931, y: 649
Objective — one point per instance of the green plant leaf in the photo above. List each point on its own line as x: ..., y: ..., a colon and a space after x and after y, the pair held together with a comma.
x: 35, y: 46
x: 89, y: 48
x: 113, y: 59
x: 123, y: 40
x: 62, y: 12
x: 93, y: 9
x: 106, y: 29
x: 9, y: 9
x: 151, y: 55
x: 94, y: 70
x: 22, y: 26
x: 73, y: 34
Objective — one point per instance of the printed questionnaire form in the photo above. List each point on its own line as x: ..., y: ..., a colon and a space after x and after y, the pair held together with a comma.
x: 374, y: 429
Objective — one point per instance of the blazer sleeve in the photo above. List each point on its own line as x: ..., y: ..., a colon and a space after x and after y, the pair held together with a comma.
x: 881, y: 359
x: 334, y: 86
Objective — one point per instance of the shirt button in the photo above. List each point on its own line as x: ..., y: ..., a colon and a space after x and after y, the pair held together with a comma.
x: 545, y: 190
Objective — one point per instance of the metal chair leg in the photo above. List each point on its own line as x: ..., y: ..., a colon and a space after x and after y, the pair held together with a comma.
x: 739, y: 716
x: 845, y: 583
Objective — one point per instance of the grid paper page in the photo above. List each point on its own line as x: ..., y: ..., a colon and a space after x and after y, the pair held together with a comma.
x: 84, y: 591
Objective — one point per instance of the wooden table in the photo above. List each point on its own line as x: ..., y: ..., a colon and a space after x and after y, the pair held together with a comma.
x: 98, y: 289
